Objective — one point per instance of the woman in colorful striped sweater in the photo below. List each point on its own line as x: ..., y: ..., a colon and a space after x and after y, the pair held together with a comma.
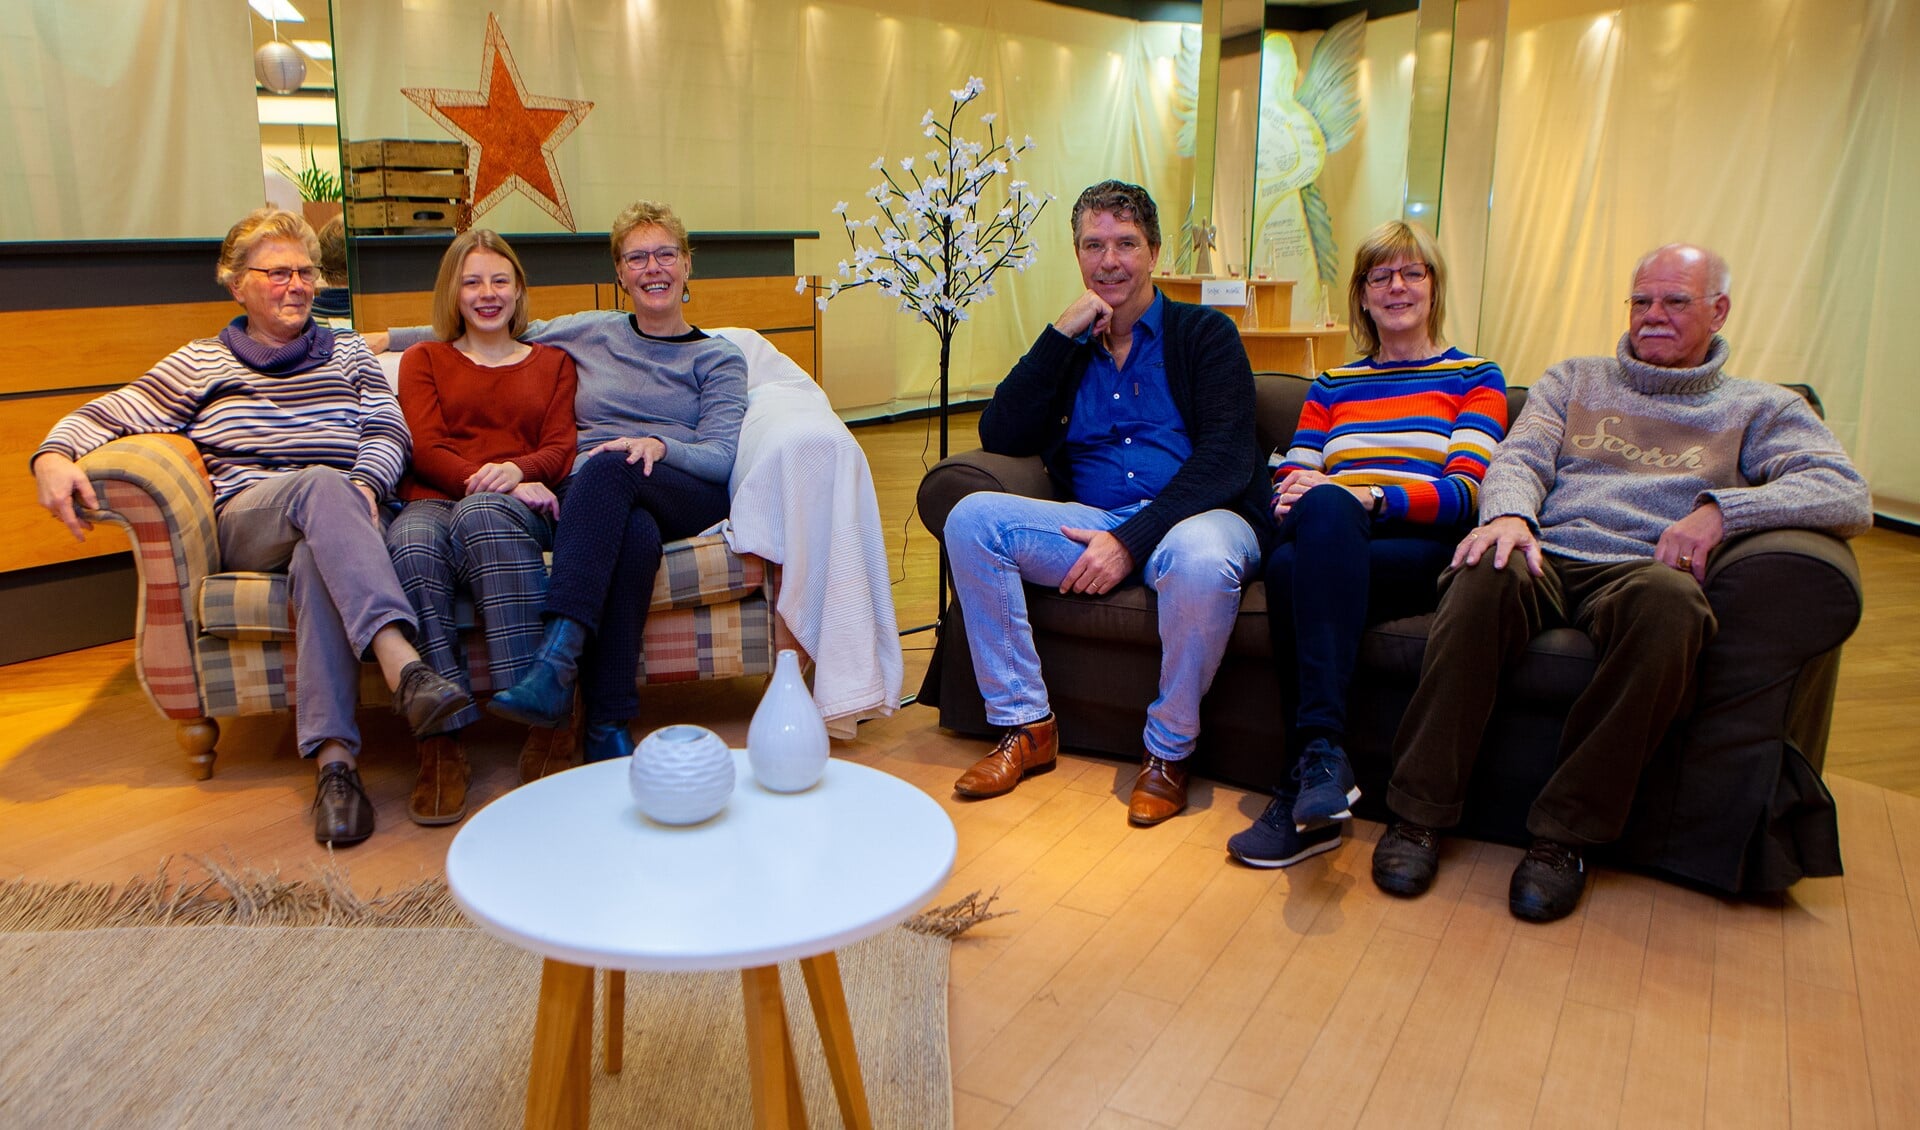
x: 1380, y: 482
x: 303, y: 440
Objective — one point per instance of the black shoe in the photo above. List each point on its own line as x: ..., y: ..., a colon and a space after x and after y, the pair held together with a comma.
x: 1405, y: 859
x: 1273, y: 841
x: 342, y: 814
x: 425, y: 698
x: 1326, y: 785
x: 1547, y: 884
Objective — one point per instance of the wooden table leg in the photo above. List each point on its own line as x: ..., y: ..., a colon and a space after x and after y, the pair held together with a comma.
x: 777, y: 1103
x: 559, y: 1081
x: 836, y: 1036
x: 616, y: 1019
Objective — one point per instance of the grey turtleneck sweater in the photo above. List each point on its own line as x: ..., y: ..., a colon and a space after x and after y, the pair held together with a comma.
x: 1610, y: 451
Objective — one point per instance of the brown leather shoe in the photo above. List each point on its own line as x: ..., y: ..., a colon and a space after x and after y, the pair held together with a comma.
x: 1024, y: 751
x: 548, y: 749
x: 440, y: 793
x: 1159, y: 792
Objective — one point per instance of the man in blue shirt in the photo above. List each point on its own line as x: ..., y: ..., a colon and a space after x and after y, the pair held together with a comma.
x: 1142, y: 409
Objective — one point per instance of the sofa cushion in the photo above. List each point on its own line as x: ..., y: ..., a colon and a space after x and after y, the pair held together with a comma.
x: 245, y: 606
x: 700, y: 571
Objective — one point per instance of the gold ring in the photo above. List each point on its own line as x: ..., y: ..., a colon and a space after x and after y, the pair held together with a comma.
x: 1686, y: 561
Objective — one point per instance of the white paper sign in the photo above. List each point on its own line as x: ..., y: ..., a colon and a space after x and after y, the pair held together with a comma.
x: 1223, y: 292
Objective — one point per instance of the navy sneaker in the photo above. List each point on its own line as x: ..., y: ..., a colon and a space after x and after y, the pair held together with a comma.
x: 1326, y: 786
x: 1273, y: 841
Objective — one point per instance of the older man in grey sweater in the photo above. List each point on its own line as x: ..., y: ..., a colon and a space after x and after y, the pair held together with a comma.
x: 1600, y: 512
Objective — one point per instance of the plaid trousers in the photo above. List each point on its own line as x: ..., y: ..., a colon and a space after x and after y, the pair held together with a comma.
x: 490, y: 544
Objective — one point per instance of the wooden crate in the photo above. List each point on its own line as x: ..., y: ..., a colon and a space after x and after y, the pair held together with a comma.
x: 364, y: 215
x: 405, y: 184
x: 400, y: 154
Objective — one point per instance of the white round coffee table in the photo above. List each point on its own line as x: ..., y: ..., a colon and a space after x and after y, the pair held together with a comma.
x: 568, y: 867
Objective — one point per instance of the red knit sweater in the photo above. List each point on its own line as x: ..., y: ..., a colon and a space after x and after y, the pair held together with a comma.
x: 464, y: 415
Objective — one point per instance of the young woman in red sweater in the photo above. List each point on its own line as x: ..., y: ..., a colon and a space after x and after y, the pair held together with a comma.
x: 493, y: 432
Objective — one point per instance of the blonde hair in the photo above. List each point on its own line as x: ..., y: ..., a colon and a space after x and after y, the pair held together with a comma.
x: 1395, y: 239
x: 647, y: 213
x: 255, y: 228
x: 448, y: 322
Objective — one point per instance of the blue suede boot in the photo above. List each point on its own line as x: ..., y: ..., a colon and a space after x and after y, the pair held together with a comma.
x: 544, y: 695
x: 606, y: 741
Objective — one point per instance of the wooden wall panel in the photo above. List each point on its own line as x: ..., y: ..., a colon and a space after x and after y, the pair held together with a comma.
x: 48, y: 350
x: 415, y: 307
x: 32, y: 536
x: 758, y: 304
x: 801, y: 346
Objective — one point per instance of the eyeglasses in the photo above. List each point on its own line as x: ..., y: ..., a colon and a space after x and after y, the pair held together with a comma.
x: 281, y: 276
x: 1413, y: 274
x: 1673, y: 304
x: 637, y: 260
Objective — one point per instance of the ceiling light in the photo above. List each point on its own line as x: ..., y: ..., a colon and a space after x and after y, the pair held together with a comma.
x: 314, y: 48
x: 282, y: 10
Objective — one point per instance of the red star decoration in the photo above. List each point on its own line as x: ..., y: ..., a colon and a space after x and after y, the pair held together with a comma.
x: 512, y: 135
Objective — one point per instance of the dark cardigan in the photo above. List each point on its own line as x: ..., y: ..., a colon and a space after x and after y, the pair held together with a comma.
x: 1212, y: 386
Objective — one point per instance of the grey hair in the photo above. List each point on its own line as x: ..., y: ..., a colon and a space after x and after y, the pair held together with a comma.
x: 1719, y: 275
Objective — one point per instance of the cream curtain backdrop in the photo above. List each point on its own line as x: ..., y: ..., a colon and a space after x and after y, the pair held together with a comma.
x: 762, y: 114
x: 126, y: 120
x: 1784, y: 133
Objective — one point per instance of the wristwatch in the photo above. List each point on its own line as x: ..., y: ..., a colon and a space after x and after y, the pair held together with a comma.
x: 1379, y: 501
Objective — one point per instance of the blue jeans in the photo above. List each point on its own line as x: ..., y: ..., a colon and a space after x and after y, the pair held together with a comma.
x: 995, y: 542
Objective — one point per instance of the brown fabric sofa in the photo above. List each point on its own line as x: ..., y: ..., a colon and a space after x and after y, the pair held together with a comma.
x: 1733, y: 800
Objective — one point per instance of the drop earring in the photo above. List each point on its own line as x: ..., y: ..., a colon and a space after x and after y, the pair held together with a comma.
x: 686, y: 295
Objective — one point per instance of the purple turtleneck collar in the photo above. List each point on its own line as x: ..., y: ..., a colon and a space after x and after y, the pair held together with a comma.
x: 310, y: 350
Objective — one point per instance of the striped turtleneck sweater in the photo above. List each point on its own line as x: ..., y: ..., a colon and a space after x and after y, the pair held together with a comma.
x: 249, y: 425
x: 1422, y: 431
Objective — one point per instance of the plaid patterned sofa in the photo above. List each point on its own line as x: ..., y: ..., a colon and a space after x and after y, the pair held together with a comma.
x: 212, y: 644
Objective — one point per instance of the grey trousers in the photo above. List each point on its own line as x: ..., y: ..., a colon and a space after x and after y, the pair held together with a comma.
x: 313, y: 523
x: 490, y: 544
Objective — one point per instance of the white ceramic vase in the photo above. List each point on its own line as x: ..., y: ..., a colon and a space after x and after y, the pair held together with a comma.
x: 787, y: 742
x: 681, y: 774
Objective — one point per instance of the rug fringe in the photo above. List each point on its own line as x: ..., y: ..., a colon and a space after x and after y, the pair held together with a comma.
x: 232, y: 894
x: 229, y: 894
x: 957, y: 917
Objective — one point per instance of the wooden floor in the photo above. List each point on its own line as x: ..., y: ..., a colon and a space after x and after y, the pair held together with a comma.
x: 1145, y: 981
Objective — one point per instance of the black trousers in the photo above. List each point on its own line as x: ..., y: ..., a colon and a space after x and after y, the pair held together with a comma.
x: 1648, y: 622
x: 613, y: 521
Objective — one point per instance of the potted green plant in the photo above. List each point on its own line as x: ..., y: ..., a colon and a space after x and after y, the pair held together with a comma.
x: 320, y: 189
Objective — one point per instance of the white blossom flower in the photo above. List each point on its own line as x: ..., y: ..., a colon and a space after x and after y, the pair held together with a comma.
x: 845, y: 268
x: 928, y: 132
x: 906, y: 163
x: 800, y: 285
x: 927, y: 118
x: 820, y: 302
x: 853, y: 225
x: 989, y: 118
x: 840, y: 209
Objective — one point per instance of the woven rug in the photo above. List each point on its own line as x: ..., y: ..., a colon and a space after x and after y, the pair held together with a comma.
x: 243, y: 999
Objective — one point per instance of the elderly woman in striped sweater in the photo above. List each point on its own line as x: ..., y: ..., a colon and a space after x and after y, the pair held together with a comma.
x: 303, y: 440
x: 1380, y: 482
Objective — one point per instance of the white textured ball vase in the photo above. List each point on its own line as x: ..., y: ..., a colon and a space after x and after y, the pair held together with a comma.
x: 787, y: 740
x: 681, y: 774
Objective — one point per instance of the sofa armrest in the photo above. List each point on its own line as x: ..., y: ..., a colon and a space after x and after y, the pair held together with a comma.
x: 958, y: 476
x: 1783, y: 597
x: 156, y: 488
